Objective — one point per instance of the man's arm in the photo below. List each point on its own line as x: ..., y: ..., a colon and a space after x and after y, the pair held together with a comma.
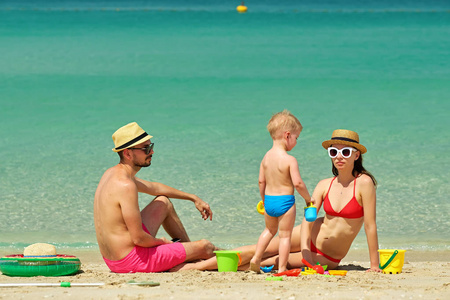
x: 159, y: 189
x: 127, y: 194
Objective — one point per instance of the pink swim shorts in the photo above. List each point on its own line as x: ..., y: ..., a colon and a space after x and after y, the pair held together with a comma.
x: 149, y: 260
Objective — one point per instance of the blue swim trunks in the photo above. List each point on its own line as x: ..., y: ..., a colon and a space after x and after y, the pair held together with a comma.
x: 276, y: 206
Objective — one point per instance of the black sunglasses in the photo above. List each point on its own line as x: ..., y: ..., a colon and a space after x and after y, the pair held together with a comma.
x: 147, y: 149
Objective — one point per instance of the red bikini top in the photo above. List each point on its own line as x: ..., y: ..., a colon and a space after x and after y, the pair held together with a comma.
x: 352, y: 210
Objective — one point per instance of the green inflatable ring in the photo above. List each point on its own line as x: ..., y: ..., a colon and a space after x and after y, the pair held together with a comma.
x: 59, y: 265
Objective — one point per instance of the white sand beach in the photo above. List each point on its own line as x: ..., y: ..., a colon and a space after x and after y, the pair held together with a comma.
x: 425, y: 275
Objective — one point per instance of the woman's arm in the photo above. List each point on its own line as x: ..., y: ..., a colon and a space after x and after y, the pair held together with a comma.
x: 305, y: 231
x: 368, y: 196
x: 305, y: 240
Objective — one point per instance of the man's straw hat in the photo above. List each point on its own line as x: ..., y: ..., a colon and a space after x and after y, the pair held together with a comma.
x: 345, y: 137
x: 129, y: 136
x: 39, y: 250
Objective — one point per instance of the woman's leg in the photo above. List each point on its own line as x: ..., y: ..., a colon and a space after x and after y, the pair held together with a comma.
x: 270, y: 256
x: 247, y: 253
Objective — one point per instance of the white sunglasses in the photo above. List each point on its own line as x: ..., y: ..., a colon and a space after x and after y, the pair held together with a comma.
x: 345, y: 152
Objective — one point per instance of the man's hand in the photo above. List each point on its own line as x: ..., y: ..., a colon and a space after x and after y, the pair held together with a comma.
x: 203, y: 208
x: 166, y: 241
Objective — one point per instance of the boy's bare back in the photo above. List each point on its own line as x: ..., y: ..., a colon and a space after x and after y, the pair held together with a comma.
x: 276, y: 166
x: 279, y: 173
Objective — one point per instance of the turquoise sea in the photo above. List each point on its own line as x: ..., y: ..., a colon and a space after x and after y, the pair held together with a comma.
x: 204, y: 81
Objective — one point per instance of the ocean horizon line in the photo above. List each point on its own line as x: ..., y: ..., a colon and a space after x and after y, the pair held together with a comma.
x: 230, y: 9
x: 388, y: 243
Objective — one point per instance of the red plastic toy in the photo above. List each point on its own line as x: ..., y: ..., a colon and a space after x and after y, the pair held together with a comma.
x: 293, y: 273
x: 318, y: 268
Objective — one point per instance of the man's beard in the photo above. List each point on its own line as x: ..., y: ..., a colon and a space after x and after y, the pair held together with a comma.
x: 142, y: 165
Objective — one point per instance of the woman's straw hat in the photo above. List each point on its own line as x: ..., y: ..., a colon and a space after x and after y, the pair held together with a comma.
x: 128, y: 136
x: 39, y: 250
x: 345, y: 137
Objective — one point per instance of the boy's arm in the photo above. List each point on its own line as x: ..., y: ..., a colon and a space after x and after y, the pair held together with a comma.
x: 262, y: 182
x: 297, y: 180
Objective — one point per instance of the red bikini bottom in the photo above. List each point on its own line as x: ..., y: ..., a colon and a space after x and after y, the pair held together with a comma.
x: 315, y: 250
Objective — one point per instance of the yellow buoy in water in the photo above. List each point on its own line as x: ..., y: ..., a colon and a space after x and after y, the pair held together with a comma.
x: 242, y: 8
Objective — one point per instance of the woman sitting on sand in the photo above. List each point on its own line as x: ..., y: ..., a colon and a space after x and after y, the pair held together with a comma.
x: 349, y: 200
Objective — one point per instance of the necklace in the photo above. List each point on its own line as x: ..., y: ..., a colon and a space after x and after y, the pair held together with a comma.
x: 343, y: 187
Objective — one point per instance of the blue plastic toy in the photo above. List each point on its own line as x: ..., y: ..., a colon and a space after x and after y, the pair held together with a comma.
x: 267, y: 269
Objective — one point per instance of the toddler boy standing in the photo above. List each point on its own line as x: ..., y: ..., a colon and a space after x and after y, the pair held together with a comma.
x: 278, y: 176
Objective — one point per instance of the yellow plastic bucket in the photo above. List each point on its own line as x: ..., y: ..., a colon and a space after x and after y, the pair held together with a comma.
x: 228, y: 260
x: 391, y: 261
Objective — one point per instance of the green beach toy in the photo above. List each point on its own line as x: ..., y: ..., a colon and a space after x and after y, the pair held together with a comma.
x: 274, y: 278
x: 228, y: 260
x: 61, y: 284
x: 143, y: 283
x: 58, y: 265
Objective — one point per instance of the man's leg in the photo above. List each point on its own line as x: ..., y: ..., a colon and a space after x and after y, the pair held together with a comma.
x: 202, y: 249
x: 161, y: 212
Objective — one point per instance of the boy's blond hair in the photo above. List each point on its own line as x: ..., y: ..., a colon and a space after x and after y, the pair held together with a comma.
x: 283, y: 121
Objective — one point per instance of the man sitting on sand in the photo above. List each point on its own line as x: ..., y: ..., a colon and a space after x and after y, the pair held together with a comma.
x: 127, y: 236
